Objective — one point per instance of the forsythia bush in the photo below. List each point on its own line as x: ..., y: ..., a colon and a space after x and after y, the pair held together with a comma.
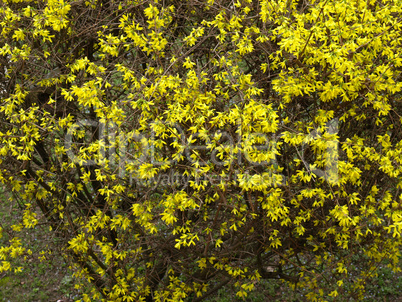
x: 174, y: 147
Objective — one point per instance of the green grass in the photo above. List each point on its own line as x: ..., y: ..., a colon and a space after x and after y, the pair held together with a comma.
x: 46, y: 280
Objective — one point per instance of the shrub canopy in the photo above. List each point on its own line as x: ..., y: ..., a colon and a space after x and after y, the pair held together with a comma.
x: 179, y: 146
